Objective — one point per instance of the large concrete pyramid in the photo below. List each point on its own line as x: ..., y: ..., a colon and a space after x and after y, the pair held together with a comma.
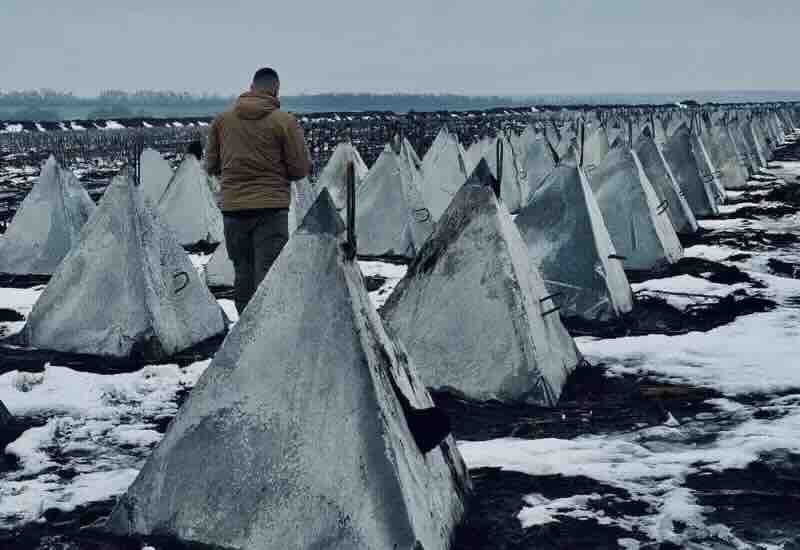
x: 513, y: 183
x: 305, y: 431
x: 391, y: 218
x: 156, y: 174
x: 126, y: 290
x: 681, y: 156
x: 189, y: 207
x: 660, y: 175
x: 219, y: 269
x: 636, y: 219
x: 47, y: 225
x: 334, y: 174
x: 567, y: 238
x: 444, y: 170
x: 473, y: 309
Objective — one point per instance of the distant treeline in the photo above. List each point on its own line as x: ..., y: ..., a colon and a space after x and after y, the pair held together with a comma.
x: 52, y: 105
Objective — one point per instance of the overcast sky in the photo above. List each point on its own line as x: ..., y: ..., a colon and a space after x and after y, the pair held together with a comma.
x: 514, y: 47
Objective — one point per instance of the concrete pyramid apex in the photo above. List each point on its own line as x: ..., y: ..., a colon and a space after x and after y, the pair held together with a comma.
x: 391, y: 217
x: 540, y: 160
x: 299, y: 433
x: 189, y: 207
x: 567, y: 238
x: 473, y: 309
x: 127, y: 290
x: 47, y: 225
x: 156, y: 174
x: 482, y: 175
x: 637, y: 220
x: 445, y: 168
x: 334, y: 174
x: 322, y: 217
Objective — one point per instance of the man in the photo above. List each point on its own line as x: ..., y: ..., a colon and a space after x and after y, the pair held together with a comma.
x: 258, y: 150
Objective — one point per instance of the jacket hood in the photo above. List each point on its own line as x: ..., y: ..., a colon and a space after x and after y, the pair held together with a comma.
x: 256, y: 105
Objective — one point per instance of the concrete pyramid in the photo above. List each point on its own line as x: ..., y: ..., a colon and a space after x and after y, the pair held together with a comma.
x: 444, y: 170
x: 219, y: 269
x: 723, y: 152
x: 680, y: 155
x: 540, y: 160
x: 513, y: 184
x: 747, y: 158
x: 595, y: 147
x: 334, y: 174
x: 637, y: 220
x: 189, y: 207
x: 156, y: 174
x: 47, y: 225
x: 567, y: 239
x: 473, y: 309
x: 707, y: 168
x: 658, y: 171
x: 126, y: 290
x: 391, y: 218
x: 307, y: 430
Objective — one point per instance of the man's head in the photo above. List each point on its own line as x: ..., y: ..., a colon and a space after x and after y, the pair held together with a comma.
x: 266, y: 80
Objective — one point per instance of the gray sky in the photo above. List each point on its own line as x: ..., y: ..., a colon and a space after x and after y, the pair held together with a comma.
x: 515, y: 47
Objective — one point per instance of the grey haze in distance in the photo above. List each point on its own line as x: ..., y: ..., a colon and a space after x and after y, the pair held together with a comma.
x: 501, y: 47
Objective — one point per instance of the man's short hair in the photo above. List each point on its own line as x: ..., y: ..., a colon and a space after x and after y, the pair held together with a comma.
x: 266, y: 79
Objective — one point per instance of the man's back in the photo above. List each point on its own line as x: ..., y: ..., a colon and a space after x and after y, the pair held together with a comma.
x: 258, y: 149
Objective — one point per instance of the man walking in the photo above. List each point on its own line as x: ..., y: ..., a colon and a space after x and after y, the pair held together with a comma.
x: 258, y: 150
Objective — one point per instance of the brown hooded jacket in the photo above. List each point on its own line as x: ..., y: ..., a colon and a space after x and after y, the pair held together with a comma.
x: 258, y: 149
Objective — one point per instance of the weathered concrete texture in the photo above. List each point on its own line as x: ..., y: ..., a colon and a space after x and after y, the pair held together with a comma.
x: 188, y: 205
x: 567, y: 238
x: 471, y: 309
x: 513, y: 183
x: 334, y: 175
x: 126, y: 290
x: 219, y: 269
x: 660, y: 175
x: 391, y: 217
x: 444, y: 170
x: 156, y: 174
x: 636, y: 219
x: 722, y: 149
x: 539, y: 162
x: 47, y: 225
x: 747, y: 157
x: 296, y: 436
x: 684, y: 165
x: 708, y: 171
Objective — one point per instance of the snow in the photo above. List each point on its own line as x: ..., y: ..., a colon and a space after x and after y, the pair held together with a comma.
x: 40, y: 128
x: 76, y: 126
x: 393, y: 273
x: 114, y: 125
x: 100, y: 427
x: 13, y: 128
x: 146, y: 124
x: 684, y: 291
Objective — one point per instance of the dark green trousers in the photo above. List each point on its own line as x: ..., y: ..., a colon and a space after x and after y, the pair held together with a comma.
x: 255, y: 238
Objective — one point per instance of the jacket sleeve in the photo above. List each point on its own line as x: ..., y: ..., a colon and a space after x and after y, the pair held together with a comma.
x: 213, y: 164
x: 295, y: 151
